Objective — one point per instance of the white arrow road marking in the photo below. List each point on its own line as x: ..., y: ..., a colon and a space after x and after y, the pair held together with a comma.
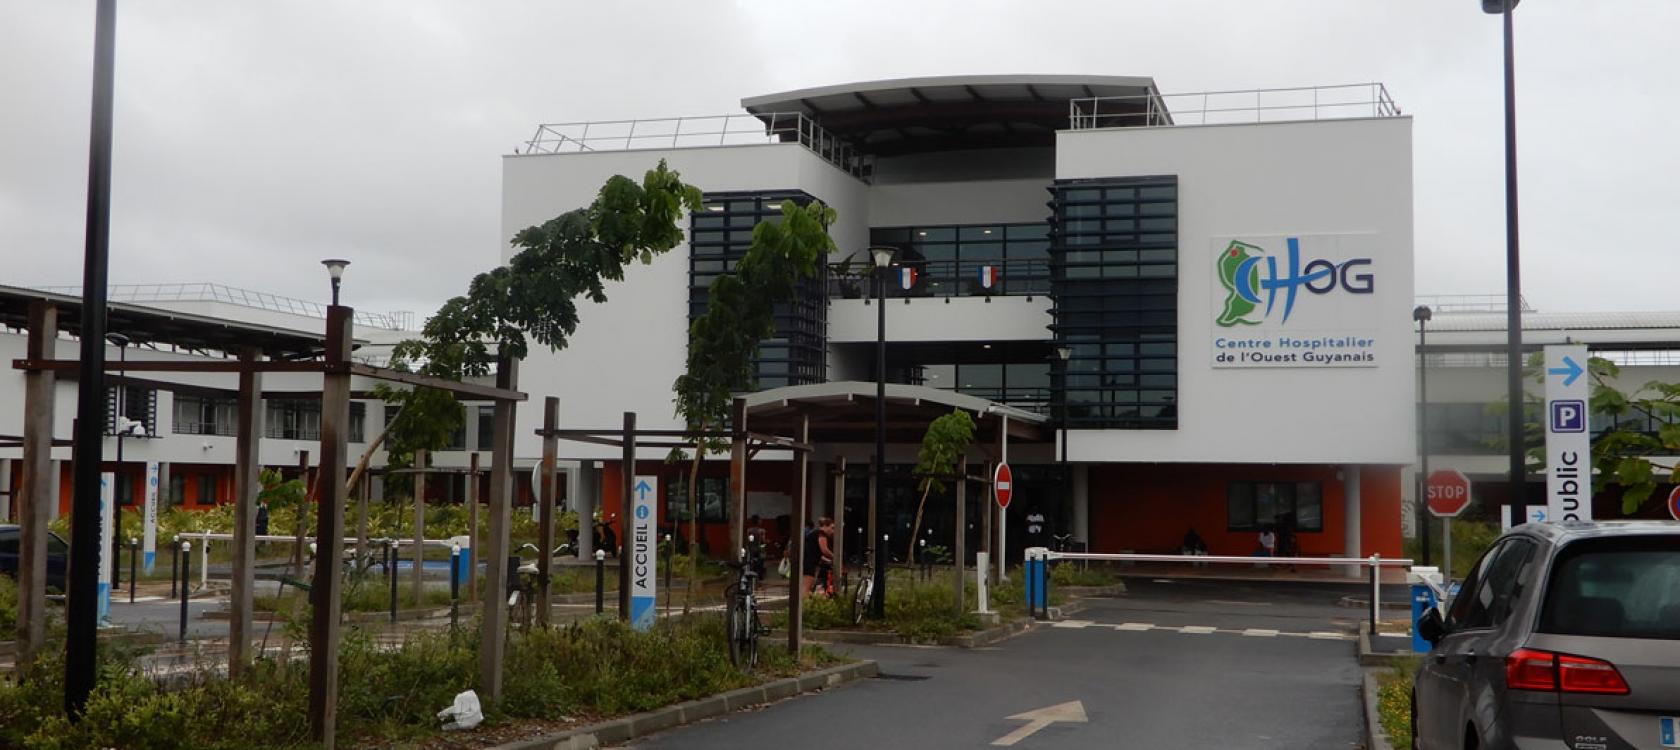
x: 1071, y: 711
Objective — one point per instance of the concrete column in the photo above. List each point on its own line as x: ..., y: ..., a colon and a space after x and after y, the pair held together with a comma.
x: 1350, y: 514
x: 55, y: 478
x: 40, y: 485
x: 839, y: 476
x: 1082, y: 504
x: 5, y: 490
x: 587, y: 499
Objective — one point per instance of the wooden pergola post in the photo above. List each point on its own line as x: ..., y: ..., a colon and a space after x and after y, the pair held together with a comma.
x: 960, y: 561
x: 545, y: 513
x: 329, y: 529
x: 472, y: 525
x: 737, y: 478
x: 417, y: 583
x: 247, y: 487
x: 626, y: 501
x: 839, y: 499
x: 37, y: 495
x: 493, y: 636
x: 801, y: 499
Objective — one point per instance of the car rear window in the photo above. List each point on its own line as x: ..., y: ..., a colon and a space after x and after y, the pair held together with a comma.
x: 1616, y: 587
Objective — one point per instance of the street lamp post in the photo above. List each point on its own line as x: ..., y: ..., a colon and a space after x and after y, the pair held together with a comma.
x: 1422, y: 314
x: 1513, y: 275
x: 335, y: 268
x: 1063, y: 353
x: 883, y: 261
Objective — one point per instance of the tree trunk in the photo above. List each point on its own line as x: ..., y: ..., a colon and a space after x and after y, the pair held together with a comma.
x: 367, y: 455
x: 693, y: 525
x: 916, y: 528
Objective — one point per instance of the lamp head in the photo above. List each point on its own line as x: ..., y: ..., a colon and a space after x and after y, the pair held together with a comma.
x: 1422, y: 313
x: 118, y: 340
x: 335, y: 267
x: 882, y: 255
x: 1499, y: 6
x: 1064, y: 352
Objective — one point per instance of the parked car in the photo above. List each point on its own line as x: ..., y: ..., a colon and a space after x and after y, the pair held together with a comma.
x: 58, y: 555
x: 1562, y: 636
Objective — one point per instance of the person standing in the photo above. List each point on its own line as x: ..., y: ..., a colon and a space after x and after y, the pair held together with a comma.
x: 1268, y: 542
x: 819, y: 557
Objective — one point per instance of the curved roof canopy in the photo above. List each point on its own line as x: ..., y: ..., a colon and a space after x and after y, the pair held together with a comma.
x: 844, y: 412
x: 910, y: 115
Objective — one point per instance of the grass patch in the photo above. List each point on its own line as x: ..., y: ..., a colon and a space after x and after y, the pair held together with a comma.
x: 8, y: 605
x: 594, y: 669
x: 1394, y: 701
x: 1069, y: 573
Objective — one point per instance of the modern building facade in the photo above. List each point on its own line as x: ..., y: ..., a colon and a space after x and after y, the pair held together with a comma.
x: 1230, y: 276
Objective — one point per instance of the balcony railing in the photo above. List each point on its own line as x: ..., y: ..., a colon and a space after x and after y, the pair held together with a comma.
x: 1012, y: 277
x: 1233, y: 107
x: 701, y: 132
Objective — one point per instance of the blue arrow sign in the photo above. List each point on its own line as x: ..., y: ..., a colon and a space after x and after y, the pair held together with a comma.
x: 1570, y: 372
x: 1538, y: 515
x: 642, y: 489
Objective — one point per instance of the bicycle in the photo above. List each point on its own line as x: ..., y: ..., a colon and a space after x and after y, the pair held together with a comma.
x: 863, y: 595
x: 522, y: 598
x: 741, y: 621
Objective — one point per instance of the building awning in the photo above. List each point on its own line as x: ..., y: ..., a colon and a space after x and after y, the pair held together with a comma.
x: 913, y: 115
x: 844, y: 412
x: 149, y: 325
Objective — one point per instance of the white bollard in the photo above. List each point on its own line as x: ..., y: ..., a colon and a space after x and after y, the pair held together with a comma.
x: 982, y: 561
x: 204, y: 563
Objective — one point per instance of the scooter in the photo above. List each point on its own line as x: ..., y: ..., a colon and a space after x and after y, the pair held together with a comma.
x: 604, y: 537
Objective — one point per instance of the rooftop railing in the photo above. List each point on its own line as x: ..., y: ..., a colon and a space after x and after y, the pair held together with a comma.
x: 208, y: 292
x: 1233, y: 107
x: 697, y: 132
x: 1469, y: 303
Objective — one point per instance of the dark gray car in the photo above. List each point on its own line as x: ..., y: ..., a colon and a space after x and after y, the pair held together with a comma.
x: 58, y: 555
x: 1562, y: 636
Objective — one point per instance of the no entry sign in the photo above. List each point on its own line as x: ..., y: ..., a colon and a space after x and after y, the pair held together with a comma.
x: 1003, y: 485
x: 1448, y: 493
x: 1674, y: 503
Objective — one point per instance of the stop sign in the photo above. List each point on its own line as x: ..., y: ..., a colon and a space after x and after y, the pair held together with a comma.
x: 1448, y: 492
x: 1003, y: 485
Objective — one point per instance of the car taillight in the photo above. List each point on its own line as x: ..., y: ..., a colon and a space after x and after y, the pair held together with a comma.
x: 1533, y: 669
x: 1578, y: 674
x: 1528, y: 669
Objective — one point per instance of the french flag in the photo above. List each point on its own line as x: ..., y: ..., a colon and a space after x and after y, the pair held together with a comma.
x: 988, y: 277
x: 907, y: 277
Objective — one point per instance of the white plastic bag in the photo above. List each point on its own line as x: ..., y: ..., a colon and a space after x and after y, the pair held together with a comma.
x: 465, y: 714
x: 785, y: 567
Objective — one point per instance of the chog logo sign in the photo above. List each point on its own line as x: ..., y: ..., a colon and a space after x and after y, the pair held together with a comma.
x: 1256, y: 283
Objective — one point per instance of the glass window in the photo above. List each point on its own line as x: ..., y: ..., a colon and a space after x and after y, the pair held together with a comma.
x: 980, y: 376
x: 1623, y: 587
x: 1239, y: 506
x: 486, y: 428
x: 1459, y: 608
x: 1309, y: 506
x: 1496, y: 596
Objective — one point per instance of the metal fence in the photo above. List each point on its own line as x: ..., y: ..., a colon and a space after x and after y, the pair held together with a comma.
x: 1232, y: 107
x: 701, y: 132
x: 209, y: 292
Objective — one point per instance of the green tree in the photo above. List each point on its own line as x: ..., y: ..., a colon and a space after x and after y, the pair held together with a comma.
x: 946, y: 440
x: 1622, y: 456
x: 740, y: 313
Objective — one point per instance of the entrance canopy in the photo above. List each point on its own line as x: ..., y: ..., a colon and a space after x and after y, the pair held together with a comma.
x: 844, y: 412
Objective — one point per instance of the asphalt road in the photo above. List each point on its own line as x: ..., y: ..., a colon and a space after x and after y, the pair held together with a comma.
x: 1183, y: 664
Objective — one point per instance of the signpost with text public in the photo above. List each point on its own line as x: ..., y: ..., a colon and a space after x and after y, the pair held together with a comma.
x: 644, y: 549
x: 1568, y: 434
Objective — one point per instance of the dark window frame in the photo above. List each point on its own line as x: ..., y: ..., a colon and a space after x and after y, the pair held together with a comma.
x: 1285, y: 488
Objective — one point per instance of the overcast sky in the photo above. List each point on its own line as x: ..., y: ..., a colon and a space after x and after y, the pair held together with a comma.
x: 255, y: 138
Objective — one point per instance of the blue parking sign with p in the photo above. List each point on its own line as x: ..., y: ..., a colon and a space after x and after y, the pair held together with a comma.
x: 1669, y: 730
x: 1569, y: 416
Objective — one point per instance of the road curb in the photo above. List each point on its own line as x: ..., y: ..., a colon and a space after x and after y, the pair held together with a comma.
x: 626, y: 728
x: 1375, y: 737
x: 1368, y: 657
